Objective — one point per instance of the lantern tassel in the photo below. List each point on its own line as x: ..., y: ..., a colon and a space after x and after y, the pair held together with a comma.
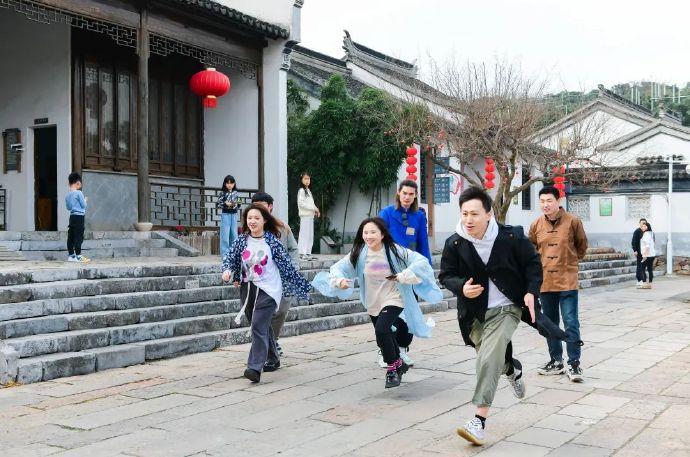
x: 210, y: 101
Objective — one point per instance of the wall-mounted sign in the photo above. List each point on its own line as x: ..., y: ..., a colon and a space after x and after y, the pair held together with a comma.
x: 12, y: 150
x: 605, y: 207
x: 442, y: 189
x: 438, y: 169
x: 41, y: 121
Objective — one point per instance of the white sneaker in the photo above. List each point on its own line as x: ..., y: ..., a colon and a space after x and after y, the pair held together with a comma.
x: 381, y: 363
x: 639, y: 284
x: 72, y: 258
x: 83, y: 259
x: 472, y: 431
x: 406, y: 358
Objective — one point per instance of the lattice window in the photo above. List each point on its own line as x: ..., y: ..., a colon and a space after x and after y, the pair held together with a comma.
x: 639, y: 207
x: 579, y: 206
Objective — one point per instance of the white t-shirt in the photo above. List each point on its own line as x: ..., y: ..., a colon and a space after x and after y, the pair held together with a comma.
x: 647, y: 244
x: 259, y: 268
x: 379, y: 291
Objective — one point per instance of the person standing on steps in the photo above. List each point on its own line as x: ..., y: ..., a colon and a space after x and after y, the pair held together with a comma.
x: 288, y: 241
x: 228, y: 203
x: 260, y: 265
x: 388, y: 276
x: 648, y: 253
x: 637, y: 236
x: 75, y: 202
x: 561, y: 241
x: 496, y: 274
x: 407, y: 224
x: 307, y: 212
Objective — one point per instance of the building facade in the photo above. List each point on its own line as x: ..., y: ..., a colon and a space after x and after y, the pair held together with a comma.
x: 87, y: 85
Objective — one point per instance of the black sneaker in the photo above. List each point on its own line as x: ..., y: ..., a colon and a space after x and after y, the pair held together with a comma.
x: 401, y: 370
x: 575, y: 372
x: 252, y: 375
x: 271, y: 366
x: 552, y: 368
x: 392, y: 379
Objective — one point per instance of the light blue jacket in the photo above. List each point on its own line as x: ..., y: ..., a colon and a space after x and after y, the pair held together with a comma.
x: 427, y: 290
x: 75, y: 202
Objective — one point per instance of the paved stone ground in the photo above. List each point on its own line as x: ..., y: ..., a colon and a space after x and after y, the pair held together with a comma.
x: 329, y: 399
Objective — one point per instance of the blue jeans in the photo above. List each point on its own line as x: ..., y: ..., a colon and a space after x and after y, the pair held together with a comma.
x: 555, y: 305
x: 228, y: 232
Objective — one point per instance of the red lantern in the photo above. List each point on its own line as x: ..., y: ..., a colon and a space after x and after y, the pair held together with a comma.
x: 411, y: 151
x: 210, y: 84
x: 412, y: 177
x: 558, y: 179
x: 411, y: 160
x: 411, y: 169
x: 489, y: 176
x: 489, y: 161
x: 489, y: 184
x: 489, y: 168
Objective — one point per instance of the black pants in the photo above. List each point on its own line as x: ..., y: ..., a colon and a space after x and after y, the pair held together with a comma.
x: 648, y: 265
x: 75, y: 234
x: 385, y: 337
x: 639, y: 272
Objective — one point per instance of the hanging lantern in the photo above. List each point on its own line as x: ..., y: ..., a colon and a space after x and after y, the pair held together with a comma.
x: 411, y: 161
x: 210, y: 84
x: 489, y: 177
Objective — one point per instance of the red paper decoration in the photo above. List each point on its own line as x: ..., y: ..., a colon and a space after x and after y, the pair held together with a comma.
x: 210, y: 84
x: 489, y: 177
x: 559, y: 181
x: 411, y: 160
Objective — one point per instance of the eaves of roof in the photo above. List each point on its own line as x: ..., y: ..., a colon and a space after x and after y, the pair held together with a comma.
x: 216, y: 10
x: 643, y: 134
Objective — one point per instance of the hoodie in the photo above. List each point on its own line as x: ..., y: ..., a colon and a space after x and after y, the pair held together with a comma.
x: 483, y: 248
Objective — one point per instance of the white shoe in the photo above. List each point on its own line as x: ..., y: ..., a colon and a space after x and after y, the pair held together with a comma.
x: 472, y: 431
x: 516, y: 381
x: 406, y: 358
x: 72, y: 258
x: 640, y: 284
x: 381, y: 363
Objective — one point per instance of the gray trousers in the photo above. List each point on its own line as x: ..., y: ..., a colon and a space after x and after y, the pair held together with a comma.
x: 491, y: 338
x: 259, y: 311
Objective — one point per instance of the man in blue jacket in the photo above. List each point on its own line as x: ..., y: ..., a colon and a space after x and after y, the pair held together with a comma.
x: 408, y: 226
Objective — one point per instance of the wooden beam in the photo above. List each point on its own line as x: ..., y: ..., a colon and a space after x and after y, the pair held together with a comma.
x: 143, y: 186
x: 110, y: 11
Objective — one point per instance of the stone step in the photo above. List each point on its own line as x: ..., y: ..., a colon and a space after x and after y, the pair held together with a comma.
x: 605, y: 281
x: 87, y: 287
x: 93, y: 244
x: 62, y: 236
x: 70, y: 363
x: 602, y: 264
x: 606, y: 272
x: 600, y: 250
x: 599, y: 257
x: 105, y: 253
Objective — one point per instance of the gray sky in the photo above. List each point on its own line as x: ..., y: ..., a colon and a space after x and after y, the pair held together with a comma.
x: 577, y: 44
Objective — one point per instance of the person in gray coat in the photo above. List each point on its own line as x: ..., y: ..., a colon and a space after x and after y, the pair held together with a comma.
x: 288, y: 240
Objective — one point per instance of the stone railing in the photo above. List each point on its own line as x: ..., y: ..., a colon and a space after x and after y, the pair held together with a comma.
x: 191, y: 207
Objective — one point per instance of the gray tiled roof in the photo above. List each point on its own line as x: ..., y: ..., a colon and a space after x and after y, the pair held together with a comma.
x: 214, y: 9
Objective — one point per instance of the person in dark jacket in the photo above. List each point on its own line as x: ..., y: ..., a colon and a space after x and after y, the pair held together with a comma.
x: 496, y: 273
x: 637, y: 236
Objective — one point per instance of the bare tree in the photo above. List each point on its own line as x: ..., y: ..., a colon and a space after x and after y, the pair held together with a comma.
x: 496, y: 112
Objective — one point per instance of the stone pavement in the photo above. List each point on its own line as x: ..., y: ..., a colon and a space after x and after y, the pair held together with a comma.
x: 329, y: 400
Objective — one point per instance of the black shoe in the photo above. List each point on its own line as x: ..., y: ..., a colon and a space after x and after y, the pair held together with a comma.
x: 252, y: 375
x: 392, y: 379
x: 552, y: 368
x: 402, y: 369
x: 271, y: 366
x: 575, y: 372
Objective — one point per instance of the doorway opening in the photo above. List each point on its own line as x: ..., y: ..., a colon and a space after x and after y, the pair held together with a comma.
x: 45, y: 178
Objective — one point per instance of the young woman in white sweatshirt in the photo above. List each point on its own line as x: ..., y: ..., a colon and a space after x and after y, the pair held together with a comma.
x: 307, y: 211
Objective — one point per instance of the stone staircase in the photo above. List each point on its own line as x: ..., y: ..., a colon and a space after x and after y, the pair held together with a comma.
x: 97, y: 245
x: 604, y: 266
x: 67, y: 322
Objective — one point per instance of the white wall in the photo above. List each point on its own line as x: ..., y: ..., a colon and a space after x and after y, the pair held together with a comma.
x: 34, y: 83
x: 277, y: 12
x: 659, y: 144
x: 275, y: 128
x: 231, y: 134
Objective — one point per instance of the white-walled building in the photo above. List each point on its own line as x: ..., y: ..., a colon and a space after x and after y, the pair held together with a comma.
x: 69, y: 101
